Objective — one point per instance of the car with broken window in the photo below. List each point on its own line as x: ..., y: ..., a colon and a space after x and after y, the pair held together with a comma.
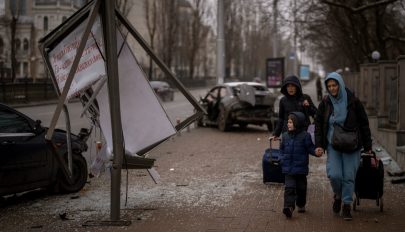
x: 163, y: 90
x: 238, y: 103
x: 28, y: 161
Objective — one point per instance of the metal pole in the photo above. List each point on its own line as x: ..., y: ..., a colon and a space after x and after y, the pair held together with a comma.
x: 220, y: 43
x: 295, y: 67
x: 68, y: 140
x: 110, y: 41
x: 275, y: 37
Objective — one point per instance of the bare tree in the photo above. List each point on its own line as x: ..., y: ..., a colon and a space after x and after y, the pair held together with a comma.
x: 168, y: 22
x: 15, y: 9
x: 347, y: 32
x: 151, y: 9
x: 233, y: 22
x: 198, y: 33
x: 124, y: 6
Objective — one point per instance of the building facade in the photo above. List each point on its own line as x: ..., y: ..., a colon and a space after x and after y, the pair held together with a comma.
x: 25, y: 22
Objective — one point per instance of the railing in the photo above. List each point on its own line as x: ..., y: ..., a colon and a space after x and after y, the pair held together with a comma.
x: 21, y: 93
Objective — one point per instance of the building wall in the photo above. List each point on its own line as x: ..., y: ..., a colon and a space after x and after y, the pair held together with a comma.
x: 48, y: 14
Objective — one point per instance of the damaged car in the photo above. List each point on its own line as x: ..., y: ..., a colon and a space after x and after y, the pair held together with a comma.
x: 163, y: 90
x: 28, y: 161
x: 240, y: 103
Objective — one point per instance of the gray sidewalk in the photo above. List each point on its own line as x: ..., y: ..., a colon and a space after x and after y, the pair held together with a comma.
x: 210, y: 181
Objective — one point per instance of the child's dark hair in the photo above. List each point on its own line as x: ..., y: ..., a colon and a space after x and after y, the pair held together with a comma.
x: 293, y: 118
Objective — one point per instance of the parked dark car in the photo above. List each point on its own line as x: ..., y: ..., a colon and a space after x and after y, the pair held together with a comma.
x: 28, y: 161
x: 239, y: 103
x: 163, y: 90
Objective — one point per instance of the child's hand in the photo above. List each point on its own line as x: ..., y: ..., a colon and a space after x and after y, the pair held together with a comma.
x: 274, y: 138
x: 319, y: 151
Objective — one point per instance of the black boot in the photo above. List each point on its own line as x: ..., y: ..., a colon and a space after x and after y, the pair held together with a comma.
x: 288, y: 211
x: 337, y: 205
x: 347, y: 216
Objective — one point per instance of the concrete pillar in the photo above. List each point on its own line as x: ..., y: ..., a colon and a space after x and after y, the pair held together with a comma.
x: 368, y: 76
x: 361, y: 85
x: 388, y: 71
x: 401, y: 94
x: 373, y: 90
x: 354, y: 76
x: 349, y: 80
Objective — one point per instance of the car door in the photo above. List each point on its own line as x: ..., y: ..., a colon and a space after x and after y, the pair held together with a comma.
x: 212, y: 100
x: 23, y: 152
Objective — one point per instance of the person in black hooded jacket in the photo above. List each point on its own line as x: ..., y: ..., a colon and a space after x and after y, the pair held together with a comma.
x: 293, y: 101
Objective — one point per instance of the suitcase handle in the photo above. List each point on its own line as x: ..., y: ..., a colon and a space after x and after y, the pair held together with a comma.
x: 373, y: 154
x: 271, y: 139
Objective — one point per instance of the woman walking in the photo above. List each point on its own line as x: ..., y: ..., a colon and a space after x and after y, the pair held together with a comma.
x: 341, y: 107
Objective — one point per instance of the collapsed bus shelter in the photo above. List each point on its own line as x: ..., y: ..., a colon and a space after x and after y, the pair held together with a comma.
x: 88, y: 57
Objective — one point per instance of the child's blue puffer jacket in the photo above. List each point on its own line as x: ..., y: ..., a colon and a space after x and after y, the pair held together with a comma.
x: 295, y: 148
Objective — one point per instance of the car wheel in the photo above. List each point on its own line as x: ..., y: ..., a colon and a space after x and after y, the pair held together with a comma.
x: 223, y: 124
x: 79, y: 168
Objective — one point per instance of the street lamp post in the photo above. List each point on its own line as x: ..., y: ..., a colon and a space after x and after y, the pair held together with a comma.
x: 220, y: 43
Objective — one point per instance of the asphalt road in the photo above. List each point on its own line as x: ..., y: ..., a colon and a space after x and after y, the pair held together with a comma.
x: 180, y: 108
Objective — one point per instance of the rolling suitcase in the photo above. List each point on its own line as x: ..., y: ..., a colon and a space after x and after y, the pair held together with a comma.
x: 271, y: 165
x: 369, y: 180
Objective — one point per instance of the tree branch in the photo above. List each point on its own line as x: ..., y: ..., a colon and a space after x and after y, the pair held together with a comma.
x: 358, y: 9
x: 395, y: 38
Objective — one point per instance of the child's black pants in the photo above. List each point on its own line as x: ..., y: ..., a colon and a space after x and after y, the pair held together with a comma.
x: 295, y: 190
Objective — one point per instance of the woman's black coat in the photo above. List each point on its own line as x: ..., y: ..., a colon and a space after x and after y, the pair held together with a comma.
x: 356, y: 117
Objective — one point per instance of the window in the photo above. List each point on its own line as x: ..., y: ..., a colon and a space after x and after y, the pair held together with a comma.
x: 13, y: 123
x: 222, y: 92
x: 213, y: 95
x: 17, y: 44
x: 1, y: 46
x: 46, y: 23
x: 25, y: 69
x: 26, y: 45
x: 18, y: 69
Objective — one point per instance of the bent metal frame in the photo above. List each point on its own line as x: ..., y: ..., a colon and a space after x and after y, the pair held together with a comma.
x: 108, y: 13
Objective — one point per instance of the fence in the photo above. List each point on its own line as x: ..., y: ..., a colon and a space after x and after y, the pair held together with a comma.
x: 18, y: 93
x: 381, y: 88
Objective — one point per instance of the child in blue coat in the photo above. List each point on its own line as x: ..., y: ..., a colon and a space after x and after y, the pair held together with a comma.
x: 295, y: 146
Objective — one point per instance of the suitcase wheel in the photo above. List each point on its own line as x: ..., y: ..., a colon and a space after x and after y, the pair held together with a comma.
x: 381, y: 204
x: 355, y: 203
